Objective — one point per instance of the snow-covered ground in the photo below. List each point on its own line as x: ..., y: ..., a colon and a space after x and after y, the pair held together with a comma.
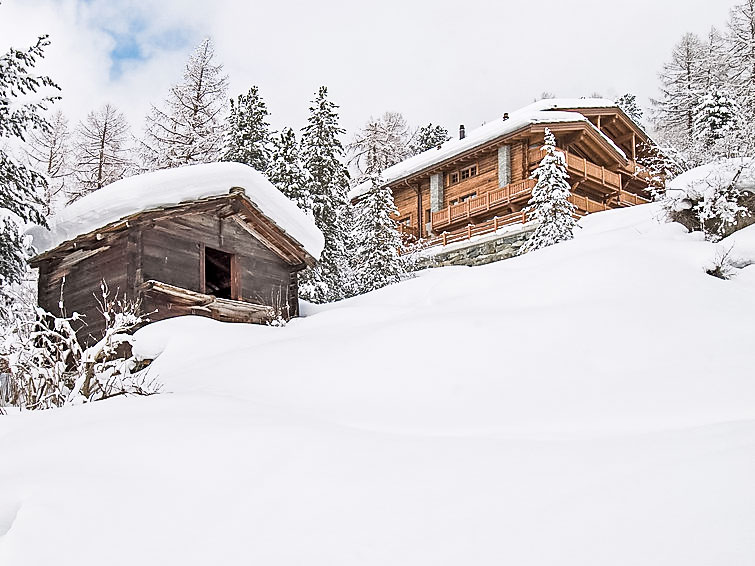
x: 592, y: 403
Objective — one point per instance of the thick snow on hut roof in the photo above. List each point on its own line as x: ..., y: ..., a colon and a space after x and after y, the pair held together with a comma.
x: 175, y: 186
x: 540, y: 112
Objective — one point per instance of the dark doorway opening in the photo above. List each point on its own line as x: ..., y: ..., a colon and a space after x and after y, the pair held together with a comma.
x: 217, y: 273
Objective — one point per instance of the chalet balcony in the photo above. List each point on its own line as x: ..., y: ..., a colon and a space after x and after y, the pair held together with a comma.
x: 585, y: 205
x: 582, y: 169
x: 496, y: 199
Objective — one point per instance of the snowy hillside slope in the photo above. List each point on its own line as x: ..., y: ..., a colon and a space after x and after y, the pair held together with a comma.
x: 592, y: 403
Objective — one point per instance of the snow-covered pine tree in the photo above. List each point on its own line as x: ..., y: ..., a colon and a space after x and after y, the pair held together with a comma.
x: 549, y: 204
x: 628, y: 103
x: 716, y: 116
x: 428, y: 137
x: 322, y: 154
x: 247, y: 132
x: 381, y: 143
x: 188, y: 128
x: 20, y: 186
x: 49, y: 151
x: 377, y: 241
x: 286, y: 172
x: 102, y: 153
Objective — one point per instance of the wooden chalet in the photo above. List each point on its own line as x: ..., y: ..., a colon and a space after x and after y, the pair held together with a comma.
x: 196, y: 240
x: 481, y: 181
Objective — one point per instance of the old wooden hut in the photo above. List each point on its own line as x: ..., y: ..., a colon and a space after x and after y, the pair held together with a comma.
x: 214, y: 240
x: 482, y: 180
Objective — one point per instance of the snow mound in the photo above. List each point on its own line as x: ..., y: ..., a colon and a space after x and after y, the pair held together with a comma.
x: 587, y: 404
x: 174, y: 186
x: 697, y: 181
x: 740, y: 246
x: 537, y: 113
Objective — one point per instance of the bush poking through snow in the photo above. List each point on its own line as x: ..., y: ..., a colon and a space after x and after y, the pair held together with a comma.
x: 45, y: 366
x: 42, y: 356
x: 723, y: 267
x: 280, y: 309
x: 717, y: 203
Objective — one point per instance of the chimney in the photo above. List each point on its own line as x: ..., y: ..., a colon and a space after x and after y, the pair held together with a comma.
x: 462, y: 132
x: 505, y: 115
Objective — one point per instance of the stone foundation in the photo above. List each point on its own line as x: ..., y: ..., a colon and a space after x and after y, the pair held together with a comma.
x: 485, y: 250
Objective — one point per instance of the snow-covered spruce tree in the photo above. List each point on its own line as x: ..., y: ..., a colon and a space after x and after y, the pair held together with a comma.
x: 286, y: 172
x: 49, y: 151
x: 322, y: 154
x: 376, y: 239
x: 428, y: 137
x: 188, y: 127
x: 381, y: 143
x: 101, y: 151
x: 247, y: 132
x: 549, y: 205
x: 716, y: 116
x: 628, y: 103
x: 20, y: 187
x: 377, y: 242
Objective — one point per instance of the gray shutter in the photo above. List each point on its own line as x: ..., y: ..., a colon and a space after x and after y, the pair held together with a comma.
x: 504, y: 165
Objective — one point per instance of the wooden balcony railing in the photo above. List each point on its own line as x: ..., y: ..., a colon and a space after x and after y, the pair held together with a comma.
x: 584, y: 206
x: 409, y: 231
x: 631, y: 199
x: 486, y: 202
x: 579, y: 167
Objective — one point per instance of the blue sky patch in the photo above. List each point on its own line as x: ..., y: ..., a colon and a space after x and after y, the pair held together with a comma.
x: 139, y: 44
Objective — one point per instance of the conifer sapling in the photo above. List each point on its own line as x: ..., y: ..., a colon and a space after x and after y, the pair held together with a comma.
x: 549, y: 205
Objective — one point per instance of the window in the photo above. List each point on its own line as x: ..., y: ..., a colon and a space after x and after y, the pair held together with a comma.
x: 406, y: 221
x: 468, y: 172
x: 428, y: 215
x: 461, y: 175
x: 218, y: 273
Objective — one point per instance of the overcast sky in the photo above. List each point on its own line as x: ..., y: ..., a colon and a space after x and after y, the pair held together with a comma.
x: 434, y: 61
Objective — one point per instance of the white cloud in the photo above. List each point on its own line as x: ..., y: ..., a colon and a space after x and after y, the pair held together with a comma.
x: 436, y: 61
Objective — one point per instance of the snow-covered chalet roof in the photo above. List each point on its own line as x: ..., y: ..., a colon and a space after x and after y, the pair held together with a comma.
x: 541, y: 112
x: 167, y: 187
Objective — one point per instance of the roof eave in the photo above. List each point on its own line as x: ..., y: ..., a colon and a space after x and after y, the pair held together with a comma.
x: 294, y: 250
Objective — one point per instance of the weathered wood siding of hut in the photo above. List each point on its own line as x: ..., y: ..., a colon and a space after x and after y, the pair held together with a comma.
x: 76, y: 278
x: 171, y: 252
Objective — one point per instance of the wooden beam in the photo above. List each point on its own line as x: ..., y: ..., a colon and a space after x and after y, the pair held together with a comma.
x: 634, y: 147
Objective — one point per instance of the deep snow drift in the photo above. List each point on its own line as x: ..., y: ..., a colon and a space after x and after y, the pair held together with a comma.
x: 592, y: 403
